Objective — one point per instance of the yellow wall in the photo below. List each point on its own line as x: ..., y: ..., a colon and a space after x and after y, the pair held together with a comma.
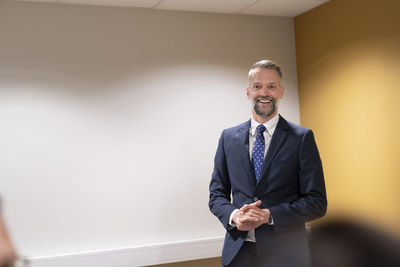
x: 348, y: 63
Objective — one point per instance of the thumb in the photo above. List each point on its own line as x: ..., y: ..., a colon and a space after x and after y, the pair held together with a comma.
x: 252, y: 205
x: 257, y: 203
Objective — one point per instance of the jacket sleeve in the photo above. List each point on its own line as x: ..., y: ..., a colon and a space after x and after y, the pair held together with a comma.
x: 311, y: 202
x: 220, y: 187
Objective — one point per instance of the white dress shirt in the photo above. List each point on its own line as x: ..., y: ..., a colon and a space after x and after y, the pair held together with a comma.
x: 270, y: 127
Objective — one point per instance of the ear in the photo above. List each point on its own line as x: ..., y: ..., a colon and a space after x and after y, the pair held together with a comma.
x: 282, y: 92
x: 248, y: 92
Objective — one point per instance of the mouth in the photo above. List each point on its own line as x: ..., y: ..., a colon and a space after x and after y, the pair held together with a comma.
x: 264, y: 101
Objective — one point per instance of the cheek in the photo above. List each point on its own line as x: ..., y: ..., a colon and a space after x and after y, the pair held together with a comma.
x: 279, y: 95
x: 250, y: 94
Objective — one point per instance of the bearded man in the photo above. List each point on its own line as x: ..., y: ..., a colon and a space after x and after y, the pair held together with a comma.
x: 267, y: 181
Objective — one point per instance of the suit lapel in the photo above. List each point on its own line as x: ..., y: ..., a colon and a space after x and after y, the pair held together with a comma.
x: 276, y: 142
x: 244, y: 151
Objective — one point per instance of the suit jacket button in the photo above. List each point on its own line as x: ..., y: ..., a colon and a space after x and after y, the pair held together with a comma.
x: 255, y: 198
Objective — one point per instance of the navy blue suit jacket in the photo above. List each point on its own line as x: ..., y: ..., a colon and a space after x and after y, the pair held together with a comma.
x: 291, y: 186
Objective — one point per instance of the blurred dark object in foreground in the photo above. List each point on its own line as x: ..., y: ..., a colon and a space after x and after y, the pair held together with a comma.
x: 347, y: 243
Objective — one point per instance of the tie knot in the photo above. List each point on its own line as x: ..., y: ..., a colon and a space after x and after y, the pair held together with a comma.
x: 260, y: 129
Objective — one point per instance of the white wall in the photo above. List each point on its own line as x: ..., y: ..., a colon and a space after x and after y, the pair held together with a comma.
x: 110, y: 118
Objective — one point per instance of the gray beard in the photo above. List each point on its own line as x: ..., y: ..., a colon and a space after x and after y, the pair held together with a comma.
x: 262, y: 113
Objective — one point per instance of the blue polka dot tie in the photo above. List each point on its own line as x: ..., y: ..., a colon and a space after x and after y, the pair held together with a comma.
x: 258, y: 151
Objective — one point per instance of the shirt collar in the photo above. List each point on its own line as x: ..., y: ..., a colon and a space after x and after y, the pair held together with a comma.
x: 269, y: 125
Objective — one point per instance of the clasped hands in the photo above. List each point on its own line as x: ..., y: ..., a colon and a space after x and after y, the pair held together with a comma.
x: 250, y: 216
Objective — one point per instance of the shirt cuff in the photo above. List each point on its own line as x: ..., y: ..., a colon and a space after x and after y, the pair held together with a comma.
x: 271, y: 220
x: 230, y: 218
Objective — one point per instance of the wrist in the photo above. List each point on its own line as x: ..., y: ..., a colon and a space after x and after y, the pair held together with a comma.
x: 233, y: 217
x: 268, y: 217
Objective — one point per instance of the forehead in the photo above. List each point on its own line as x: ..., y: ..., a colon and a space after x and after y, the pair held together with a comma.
x: 260, y: 75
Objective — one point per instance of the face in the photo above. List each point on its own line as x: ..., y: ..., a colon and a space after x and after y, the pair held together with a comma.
x: 264, y: 91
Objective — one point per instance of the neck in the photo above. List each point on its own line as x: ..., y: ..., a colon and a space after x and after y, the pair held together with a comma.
x: 261, y: 119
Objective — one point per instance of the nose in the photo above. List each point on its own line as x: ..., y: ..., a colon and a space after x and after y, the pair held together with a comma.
x: 264, y: 91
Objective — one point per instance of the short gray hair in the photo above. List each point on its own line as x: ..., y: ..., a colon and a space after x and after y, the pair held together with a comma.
x: 265, y: 64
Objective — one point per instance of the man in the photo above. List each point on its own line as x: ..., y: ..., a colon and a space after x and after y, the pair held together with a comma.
x: 272, y: 170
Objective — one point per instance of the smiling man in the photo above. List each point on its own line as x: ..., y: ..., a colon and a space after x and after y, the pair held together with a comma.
x: 267, y: 181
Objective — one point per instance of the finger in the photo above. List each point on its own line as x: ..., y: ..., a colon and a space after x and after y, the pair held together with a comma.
x: 244, y: 207
x: 256, y: 204
x: 250, y: 206
x: 261, y: 214
x: 254, y: 212
x: 247, y: 226
x: 248, y: 217
x: 252, y: 219
x: 250, y: 209
x: 252, y: 222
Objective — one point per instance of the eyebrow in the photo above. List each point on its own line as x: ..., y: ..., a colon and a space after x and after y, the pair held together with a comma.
x: 267, y: 83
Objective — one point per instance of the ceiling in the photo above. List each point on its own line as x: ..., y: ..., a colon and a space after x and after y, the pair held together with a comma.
x: 283, y: 8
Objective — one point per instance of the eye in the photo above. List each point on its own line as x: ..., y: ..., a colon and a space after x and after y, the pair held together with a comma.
x: 271, y: 86
x: 256, y: 86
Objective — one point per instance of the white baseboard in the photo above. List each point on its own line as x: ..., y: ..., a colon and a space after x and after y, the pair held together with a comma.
x: 135, y: 256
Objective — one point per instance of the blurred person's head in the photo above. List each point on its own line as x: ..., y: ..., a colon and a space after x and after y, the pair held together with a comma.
x: 7, y: 252
x: 344, y: 243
